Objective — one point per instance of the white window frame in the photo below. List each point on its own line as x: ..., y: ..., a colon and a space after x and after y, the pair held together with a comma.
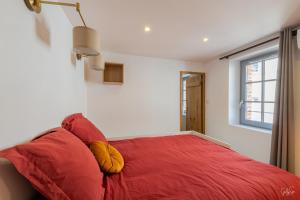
x: 243, y: 83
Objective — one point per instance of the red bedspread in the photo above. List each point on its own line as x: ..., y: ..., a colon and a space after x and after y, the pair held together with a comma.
x: 187, y: 168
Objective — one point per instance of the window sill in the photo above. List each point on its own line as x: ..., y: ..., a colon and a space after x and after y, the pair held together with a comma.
x: 253, y: 128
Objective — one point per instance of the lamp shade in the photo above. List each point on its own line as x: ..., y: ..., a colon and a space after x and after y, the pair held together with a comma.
x: 85, y: 41
x: 96, y: 62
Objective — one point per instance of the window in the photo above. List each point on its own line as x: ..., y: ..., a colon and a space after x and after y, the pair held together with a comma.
x: 184, y: 96
x: 258, y: 85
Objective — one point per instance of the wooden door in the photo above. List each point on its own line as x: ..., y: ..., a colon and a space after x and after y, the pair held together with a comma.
x: 194, y: 104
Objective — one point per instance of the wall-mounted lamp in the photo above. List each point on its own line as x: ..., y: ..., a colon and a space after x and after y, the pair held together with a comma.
x: 85, y: 40
x: 96, y: 63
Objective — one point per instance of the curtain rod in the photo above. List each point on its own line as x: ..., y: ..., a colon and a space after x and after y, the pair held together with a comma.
x: 254, y: 46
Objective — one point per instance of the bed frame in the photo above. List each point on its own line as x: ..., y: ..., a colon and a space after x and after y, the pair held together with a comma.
x: 13, y: 186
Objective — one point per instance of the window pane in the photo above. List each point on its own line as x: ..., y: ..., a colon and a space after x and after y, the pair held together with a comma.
x: 253, y: 116
x: 254, y: 72
x: 253, y: 91
x: 184, y: 84
x: 184, y: 95
x: 271, y: 69
x: 184, y: 107
x: 270, y: 87
x: 253, y: 107
x: 269, y: 108
x: 268, y: 118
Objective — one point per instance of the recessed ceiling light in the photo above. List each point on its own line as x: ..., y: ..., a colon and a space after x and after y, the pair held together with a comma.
x: 205, y: 39
x: 147, y: 29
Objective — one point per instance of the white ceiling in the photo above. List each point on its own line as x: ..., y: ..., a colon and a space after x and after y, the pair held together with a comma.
x: 178, y: 26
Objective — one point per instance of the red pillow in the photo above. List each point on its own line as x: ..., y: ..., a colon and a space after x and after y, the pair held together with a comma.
x: 83, y: 128
x: 59, y: 166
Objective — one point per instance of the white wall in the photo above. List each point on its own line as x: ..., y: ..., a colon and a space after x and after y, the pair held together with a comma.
x: 250, y: 142
x: 148, y: 101
x: 222, y: 108
x: 38, y: 83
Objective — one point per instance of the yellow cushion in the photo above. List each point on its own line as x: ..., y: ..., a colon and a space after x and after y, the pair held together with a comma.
x: 109, y: 159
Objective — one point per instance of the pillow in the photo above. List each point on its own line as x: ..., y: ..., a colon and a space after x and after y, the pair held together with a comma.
x: 83, y: 128
x: 109, y: 158
x: 59, y: 166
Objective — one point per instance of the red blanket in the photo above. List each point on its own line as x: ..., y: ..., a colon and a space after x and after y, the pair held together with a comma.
x: 187, y: 168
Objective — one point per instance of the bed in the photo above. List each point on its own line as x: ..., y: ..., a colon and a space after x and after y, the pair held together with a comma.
x: 183, y: 166
x: 192, y: 166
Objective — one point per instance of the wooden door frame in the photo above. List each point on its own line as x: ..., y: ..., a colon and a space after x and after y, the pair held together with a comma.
x: 202, y: 96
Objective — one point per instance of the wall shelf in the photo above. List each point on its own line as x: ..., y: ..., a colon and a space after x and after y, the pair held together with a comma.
x: 113, y: 74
